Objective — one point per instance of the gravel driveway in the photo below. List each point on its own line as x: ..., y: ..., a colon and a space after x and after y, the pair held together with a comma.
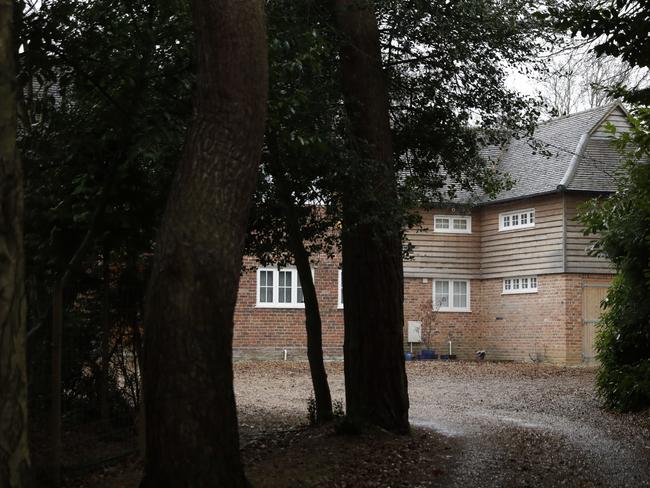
x: 511, y: 424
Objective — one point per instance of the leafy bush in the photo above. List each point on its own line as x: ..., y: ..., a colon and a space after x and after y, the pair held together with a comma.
x: 623, y: 222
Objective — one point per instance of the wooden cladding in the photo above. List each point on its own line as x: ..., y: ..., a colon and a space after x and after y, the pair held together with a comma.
x: 554, y: 245
x: 578, y: 245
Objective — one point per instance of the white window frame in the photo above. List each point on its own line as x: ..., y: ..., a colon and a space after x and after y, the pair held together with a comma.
x: 517, y: 285
x: 527, y: 214
x: 450, y: 221
x: 450, y: 307
x: 339, y: 301
x: 276, y: 285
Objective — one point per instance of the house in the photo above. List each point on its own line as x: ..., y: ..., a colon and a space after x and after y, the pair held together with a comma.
x: 511, y: 276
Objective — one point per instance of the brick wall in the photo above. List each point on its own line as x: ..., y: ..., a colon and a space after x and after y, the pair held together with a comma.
x: 461, y: 328
x: 546, y: 325
x: 266, y: 332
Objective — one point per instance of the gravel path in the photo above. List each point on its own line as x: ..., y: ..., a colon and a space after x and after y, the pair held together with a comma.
x: 512, y: 424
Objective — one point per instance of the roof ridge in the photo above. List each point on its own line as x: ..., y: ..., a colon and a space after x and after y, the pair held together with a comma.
x: 607, y: 108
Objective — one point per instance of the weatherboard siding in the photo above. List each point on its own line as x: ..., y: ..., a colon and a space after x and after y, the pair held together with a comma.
x: 618, y: 119
x: 577, y: 244
x: 532, y: 251
x: 441, y: 255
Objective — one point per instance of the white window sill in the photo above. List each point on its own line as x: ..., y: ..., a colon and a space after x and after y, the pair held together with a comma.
x: 518, y: 292
x: 280, y: 305
x: 512, y: 229
x: 455, y: 310
x: 446, y: 231
x: 339, y: 307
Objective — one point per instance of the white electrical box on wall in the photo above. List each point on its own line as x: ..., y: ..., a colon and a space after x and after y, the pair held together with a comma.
x: 415, y: 331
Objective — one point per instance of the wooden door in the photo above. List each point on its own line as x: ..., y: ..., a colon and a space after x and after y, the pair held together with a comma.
x: 592, y: 295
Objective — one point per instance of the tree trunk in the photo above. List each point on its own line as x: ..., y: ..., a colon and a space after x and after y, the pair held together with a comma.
x: 313, y: 324
x: 191, y: 420
x: 373, y: 284
x: 14, y: 451
x: 106, y: 328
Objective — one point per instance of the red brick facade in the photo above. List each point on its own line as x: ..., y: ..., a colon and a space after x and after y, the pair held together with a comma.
x: 545, y: 326
x: 266, y: 332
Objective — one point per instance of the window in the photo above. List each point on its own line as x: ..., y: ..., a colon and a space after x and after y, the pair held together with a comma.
x: 279, y: 288
x: 519, y: 219
x: 521, y: 284
x: 340, y: 300
x: 452, y: 224
x: 451, y: 295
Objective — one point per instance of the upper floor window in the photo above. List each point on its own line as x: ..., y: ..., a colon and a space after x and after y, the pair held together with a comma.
x: 279, y: 288
x: 521, y: 284
x: 452, y: 224
x: 518, y: 219
x: 451, y: 295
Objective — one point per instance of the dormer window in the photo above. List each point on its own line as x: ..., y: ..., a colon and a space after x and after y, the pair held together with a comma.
x: 452, y: 224
x: 518, y: 219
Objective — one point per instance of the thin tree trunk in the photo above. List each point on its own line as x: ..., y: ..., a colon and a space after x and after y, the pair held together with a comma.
x: 313, y: 324
x: 54, y: 461
x: 375, y: 376
x: 14, y: 450
x: 192, y: 431
x: 106, y: 327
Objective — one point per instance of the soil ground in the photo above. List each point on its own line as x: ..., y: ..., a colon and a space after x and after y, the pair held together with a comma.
x: 483, y: 424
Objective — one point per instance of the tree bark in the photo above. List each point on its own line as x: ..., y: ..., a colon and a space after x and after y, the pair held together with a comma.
x: 191, y: 420
x: 375, y: 376
x: 106, y: 329
x: 14, y: 451
x: 313, y: 324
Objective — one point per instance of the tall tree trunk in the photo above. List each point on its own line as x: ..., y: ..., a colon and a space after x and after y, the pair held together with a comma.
x: 192, y: 431
x: 14, y: 452
x: 373, y: 284
x: 313, y: 323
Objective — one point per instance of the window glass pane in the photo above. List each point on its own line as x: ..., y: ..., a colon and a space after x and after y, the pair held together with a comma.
x: 442, y: 223
x: 524, y: 283
x: 507, y: 284
x: 515, y: 220
x: 524, y: 218
x: 284, y: 287
x: 533, y: 282
x: 531, y: 216
x: 460, y: 224
x: 300, y: 296
x: 442, y: 294
x: 266, y: 286
x: 506, y: 221
x: 515, y: 284
x: 460, y: 294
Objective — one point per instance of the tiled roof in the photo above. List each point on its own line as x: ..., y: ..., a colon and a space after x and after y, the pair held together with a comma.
x: 563, y: 153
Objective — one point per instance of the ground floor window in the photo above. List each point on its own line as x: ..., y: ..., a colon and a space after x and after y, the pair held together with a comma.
x: 451, y: 295
x: 279, y: 288
x: 520, y: 284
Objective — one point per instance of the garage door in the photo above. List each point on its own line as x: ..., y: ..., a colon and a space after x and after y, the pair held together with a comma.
x: 592, y: 295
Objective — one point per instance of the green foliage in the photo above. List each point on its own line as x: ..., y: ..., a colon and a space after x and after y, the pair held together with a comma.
x: 446, y: 67
x: 337, y: 410
x: 106, y: 101
x: 623, y: 222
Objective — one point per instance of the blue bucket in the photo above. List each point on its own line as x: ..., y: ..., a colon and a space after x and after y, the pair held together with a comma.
x: 428, y: 354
